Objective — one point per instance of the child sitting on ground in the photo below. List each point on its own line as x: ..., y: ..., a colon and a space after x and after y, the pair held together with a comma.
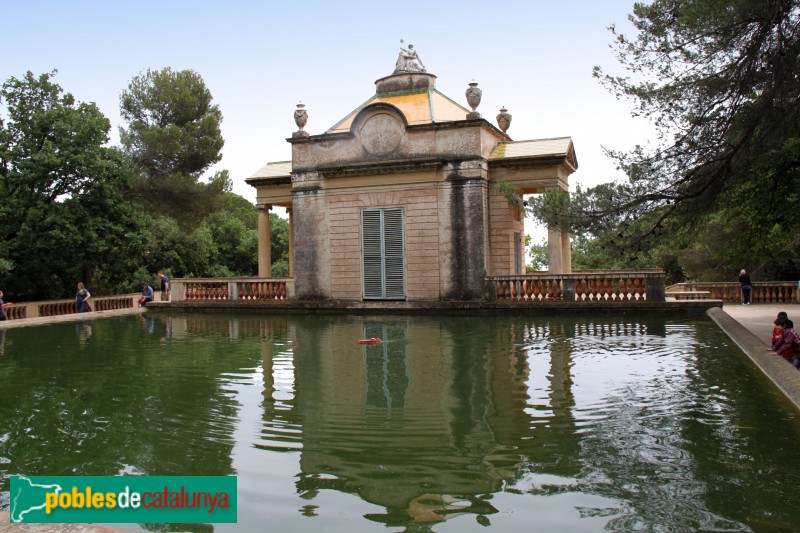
x: 777, y: 333
x: 789, y: 345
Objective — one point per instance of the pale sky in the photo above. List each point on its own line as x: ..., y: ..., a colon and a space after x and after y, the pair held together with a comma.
x: 259, y: 59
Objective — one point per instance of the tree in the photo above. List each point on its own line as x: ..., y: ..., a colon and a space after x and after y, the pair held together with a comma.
x: 720, y: 81
x: 62, y: 218
x: 537, y: 253
x: 173, y: 136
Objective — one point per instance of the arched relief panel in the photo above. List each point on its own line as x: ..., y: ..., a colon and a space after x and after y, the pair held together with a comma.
x: 380, y: 129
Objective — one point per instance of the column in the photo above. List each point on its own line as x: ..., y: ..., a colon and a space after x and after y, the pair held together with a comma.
x: 291, y: 242
x: 264, y: 261
x: 566, y: 253
x: 555, y: 254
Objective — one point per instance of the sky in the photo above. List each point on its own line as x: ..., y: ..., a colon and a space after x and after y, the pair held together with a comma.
x: 260, y: 58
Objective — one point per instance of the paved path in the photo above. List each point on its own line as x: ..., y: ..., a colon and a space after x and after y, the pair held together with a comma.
x: 750, y: 327
x: 73, y: 317
x: 759, y: 318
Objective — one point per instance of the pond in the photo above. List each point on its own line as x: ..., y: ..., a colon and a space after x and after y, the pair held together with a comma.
x: 569, y: 423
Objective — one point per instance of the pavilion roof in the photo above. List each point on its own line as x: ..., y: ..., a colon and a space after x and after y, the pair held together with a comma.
x: 534, y: 149
x: 423, y: 106
x: 277, y: 169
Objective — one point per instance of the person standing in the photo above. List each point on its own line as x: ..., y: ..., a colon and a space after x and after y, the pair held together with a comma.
x: 744, y: 281
x: 82, y: 299
x: 3, y: 307
x: 165, y: 287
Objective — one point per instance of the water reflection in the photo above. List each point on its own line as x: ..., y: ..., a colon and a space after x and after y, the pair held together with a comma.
x: 605, y: 423
x: 423, y: 424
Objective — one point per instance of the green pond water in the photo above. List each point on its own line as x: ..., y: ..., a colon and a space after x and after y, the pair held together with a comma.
x: 568, y: 423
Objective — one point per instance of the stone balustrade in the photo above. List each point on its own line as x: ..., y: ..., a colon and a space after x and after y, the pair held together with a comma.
x: 67, y: 307
x: 731, y: 292
x: 630, y: 286
x: 232, y: 289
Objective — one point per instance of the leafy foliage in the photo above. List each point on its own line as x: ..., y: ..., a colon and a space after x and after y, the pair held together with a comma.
x: 173, y: 136
x: 720, y: 81
x: 62, y: 216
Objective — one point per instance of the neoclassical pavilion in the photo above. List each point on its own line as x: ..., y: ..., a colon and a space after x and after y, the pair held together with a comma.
x: 398, y: 200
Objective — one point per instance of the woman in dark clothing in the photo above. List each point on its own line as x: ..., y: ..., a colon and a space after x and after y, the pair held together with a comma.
x: 744, y: 281
x: 82, y: 299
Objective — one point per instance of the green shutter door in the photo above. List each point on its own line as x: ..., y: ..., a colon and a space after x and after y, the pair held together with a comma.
x: 383, y: 249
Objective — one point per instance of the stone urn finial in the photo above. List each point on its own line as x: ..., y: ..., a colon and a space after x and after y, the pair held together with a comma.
x: 504, y: 119
x: 300, y: 118
x: 473, y: 99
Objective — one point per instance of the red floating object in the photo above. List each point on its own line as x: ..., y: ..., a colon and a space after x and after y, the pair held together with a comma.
x: 373, y: 340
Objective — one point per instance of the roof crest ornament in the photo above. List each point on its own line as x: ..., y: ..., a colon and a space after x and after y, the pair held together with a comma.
x: 408, y: 61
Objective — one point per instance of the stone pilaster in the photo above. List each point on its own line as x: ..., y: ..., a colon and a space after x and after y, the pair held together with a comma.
x: 291, y: 242
x: 463, y: 230
x: 311, y: 237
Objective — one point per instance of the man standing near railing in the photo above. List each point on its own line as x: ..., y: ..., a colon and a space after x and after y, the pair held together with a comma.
x: 165, y: 286
x: 3, y: 307
x: 747, y: 286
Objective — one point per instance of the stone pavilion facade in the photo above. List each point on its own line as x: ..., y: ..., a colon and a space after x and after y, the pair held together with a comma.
x: 399, y: 199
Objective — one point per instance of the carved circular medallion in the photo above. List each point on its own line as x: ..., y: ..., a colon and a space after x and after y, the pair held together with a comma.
x: 381, y: 134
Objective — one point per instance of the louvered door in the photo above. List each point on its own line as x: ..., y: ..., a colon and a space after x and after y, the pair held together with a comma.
x: 383, y: 254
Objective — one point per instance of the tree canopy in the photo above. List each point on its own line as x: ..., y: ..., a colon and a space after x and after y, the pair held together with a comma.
x: 61, y: 190
x: 720, y: 81
x: 63, y: 218
x: 173, y: 136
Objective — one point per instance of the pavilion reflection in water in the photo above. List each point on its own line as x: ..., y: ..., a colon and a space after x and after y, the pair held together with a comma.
x: 429, y: 423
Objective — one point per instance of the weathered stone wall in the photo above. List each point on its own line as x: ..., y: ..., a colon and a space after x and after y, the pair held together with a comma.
x: 504, y: 220
x: 420, y: 210
x: 379, y: 134
x: 462, y: 231
x: 311, y: 238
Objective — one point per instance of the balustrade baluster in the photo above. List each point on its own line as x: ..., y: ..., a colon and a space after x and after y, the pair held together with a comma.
x: 622, y: 288
x: 581, y: 289
x: 557, y: 289
x: 597, y: 288
x: 531, y: 290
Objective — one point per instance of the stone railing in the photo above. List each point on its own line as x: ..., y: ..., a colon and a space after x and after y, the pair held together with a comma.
x: 731, y: 292
x: 646, y: 285
x: 232, y: 289
x: 68, y: 307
